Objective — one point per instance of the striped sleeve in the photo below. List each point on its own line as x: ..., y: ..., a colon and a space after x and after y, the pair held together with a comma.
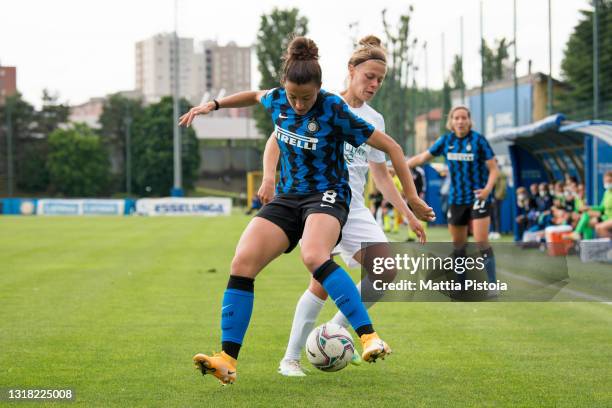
x: 438, y: 147
x: 266, y: 99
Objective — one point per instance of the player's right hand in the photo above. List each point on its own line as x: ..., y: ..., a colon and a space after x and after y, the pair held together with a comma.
x: 187, y: 118
x: 421, y: 210
x: 266, y: 191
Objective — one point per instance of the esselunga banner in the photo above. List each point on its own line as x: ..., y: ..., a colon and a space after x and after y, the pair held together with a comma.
x: 205, y: 206
x: 80, y: 207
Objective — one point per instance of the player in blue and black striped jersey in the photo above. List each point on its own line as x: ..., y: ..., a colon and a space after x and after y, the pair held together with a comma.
x: 473, y: 171
x: 311, y: 157
x: 312, y: 201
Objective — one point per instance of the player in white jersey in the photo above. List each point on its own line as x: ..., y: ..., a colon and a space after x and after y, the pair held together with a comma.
x: 367, y: 69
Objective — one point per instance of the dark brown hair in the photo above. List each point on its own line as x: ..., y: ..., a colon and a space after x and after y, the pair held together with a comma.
x: 301, y: 62
x: 369, y: 48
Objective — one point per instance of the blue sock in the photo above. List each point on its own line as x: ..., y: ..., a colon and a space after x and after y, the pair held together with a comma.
x: 236, y: 313
x: 489, y: 264
x: 342, y: 290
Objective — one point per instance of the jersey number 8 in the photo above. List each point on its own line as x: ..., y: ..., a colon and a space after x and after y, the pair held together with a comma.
x: 329, y: 196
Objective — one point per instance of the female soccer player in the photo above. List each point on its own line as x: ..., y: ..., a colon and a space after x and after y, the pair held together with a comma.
x: 473, y: 171
x: 367, y: 68
x: 312, y: 126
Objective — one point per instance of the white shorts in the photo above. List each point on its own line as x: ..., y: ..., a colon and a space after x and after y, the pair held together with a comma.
x: 360, y: 227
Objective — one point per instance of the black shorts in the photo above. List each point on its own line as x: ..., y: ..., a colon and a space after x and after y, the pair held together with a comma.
x: 461, y: 214
x: 289, y: 212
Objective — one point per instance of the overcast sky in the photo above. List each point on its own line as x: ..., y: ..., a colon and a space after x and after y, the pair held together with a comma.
x: 84, y: 48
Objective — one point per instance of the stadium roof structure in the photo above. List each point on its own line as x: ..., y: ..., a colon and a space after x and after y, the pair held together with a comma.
x: 565, y: 130
x: 557, y: 146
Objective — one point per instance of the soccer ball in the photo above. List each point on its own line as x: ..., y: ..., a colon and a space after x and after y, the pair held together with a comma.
x: 329, y: 347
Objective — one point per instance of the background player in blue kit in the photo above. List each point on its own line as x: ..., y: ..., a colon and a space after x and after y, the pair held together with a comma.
x: 473, y: 171
x: 312, y: 201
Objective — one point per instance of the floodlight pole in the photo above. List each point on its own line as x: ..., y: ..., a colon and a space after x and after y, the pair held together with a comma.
x: 462, y: 74
x: 443, y: 59
x: 515, y: 121
x: 482, y: 75
x: 177, y: 189
x: 550, y: 81
x: 595, y: 59
x: 9, y: 146
x: 128, y: 154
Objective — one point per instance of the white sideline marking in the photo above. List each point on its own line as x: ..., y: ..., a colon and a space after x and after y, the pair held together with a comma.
x: 573, y: 292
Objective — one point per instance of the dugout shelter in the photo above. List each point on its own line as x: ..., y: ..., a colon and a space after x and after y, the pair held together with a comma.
x: 547, y: 149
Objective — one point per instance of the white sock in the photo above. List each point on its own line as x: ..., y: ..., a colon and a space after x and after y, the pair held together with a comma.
x: 306, y: 312
x: 340, y: 319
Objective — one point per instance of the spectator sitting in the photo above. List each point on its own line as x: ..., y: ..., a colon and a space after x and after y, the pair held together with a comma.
x: 569, y: 195
x: 543, y: 201
x: 523, y: 203
x: 559, y: 192
x: 560, y: 216
x: 579, y: 198
x: 597, y: 220
x: 533, y: 193
x: 577, y: 204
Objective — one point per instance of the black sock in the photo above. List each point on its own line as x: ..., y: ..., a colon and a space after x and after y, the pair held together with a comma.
x: 365, y: 329
x: 231, y: 349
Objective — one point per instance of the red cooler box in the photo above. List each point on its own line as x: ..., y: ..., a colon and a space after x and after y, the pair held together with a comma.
x: 558, y: 242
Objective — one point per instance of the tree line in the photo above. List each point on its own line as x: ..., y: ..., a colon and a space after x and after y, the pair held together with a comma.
x: 51, y: 156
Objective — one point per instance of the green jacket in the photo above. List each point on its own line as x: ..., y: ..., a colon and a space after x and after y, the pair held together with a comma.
x: 605, y: 207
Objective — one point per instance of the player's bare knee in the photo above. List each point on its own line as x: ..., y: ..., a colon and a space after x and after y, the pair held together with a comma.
x: 313, y: 259
x: 243, y: 266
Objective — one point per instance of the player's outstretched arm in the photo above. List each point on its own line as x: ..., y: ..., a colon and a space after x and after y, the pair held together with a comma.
x: 384, y: 184
x: 237, y: 100
x: 384, y: 142
x: 270, y: 161
x: 419, y: 159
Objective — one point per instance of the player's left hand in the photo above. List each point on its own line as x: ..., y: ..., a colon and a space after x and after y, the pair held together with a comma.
x: 416, y: 226
x: 421, y: 210
x: 482, y: 194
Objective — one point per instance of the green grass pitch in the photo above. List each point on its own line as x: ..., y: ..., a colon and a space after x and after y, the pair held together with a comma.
x: 116, y: 307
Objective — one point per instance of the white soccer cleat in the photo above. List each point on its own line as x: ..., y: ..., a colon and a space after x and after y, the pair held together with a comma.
x: 291, y: 368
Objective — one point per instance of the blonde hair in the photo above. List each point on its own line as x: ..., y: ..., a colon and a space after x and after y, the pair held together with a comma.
x: 369, y: 48
x: 449, y: 119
